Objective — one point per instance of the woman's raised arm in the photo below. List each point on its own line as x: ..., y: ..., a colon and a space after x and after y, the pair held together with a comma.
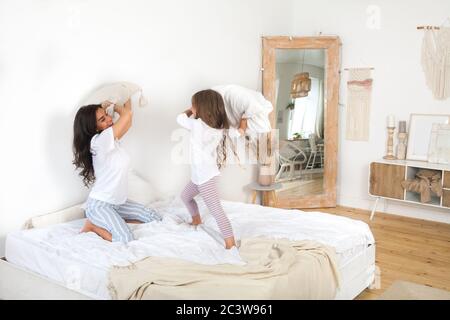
x: 124, y: 123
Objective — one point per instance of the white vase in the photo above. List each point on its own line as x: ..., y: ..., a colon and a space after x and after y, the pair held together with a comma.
x: 266, y: 176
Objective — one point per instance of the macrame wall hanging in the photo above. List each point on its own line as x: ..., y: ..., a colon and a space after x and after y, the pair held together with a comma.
x: 359, y: 92
x: 436, y: 60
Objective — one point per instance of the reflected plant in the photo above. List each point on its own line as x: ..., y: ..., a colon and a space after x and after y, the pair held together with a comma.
x: 290, y: 106
x: 297, y: 136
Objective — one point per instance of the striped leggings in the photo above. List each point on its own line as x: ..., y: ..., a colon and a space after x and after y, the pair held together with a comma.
x: 112, y: 217
x: 210, y: 195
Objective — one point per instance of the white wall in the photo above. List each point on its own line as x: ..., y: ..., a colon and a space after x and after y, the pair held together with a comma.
x: 53, y: 52
x: 399, y: 86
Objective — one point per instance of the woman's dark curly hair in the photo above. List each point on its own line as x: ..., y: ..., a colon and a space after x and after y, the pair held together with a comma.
x: 84, y: 128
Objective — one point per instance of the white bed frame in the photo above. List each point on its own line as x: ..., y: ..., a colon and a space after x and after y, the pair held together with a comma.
x: 17, y: 283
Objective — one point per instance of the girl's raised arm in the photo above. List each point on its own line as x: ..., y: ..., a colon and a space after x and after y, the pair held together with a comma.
x: 184, y: 119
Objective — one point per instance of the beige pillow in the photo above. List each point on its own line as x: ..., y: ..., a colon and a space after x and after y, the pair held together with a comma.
x: 118, y: 93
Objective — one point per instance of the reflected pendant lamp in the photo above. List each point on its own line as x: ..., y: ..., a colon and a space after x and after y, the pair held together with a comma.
x: 300, y: 85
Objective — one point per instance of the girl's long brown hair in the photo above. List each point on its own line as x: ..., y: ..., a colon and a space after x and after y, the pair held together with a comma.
x: 84, y: 128
x: 210, y: 108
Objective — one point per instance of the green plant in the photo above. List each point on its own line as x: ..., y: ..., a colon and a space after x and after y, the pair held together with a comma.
x: 297, y: 135
x: 290, y: 106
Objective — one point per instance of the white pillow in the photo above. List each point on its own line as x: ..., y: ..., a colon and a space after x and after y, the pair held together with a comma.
x: 118, y: 93
x: 140, y: 190
x: 240, y: 101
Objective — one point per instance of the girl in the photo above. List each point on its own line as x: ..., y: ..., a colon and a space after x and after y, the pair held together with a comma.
x: 208, y: 127
x: 105, y: 164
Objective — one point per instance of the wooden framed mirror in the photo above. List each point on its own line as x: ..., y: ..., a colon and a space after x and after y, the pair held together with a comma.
x: 301, y: 79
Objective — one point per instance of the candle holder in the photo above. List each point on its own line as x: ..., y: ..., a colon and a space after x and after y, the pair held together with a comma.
x: 401, y: 146
x: 402, y: 136
x: 390, y: 145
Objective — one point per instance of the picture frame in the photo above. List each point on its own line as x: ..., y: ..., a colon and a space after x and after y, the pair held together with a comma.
x: 419, y: 134
x: 439, y: 148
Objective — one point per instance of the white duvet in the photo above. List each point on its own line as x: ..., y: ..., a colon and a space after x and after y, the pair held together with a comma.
x: 174, y: 237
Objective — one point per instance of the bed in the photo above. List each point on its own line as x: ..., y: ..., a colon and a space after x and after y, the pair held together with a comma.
x: 55, y: 261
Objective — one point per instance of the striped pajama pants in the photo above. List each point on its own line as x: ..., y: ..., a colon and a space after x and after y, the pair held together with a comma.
x: 210, y: 195
x: 112, y: 217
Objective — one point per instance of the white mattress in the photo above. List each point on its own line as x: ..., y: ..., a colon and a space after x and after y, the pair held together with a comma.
x: 81, y: 261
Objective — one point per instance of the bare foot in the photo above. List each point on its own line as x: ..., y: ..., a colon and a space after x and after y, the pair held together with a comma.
x: 196, y: 220
x: 90, y: 227
x: 229, y: 243
x: 133, y: 221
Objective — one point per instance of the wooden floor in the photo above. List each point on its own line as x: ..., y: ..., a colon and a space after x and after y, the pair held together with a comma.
x: 301, y: 187
x: 406, y: 249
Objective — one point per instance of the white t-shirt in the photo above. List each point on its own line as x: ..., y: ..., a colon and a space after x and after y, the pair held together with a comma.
x: 111, y: 165
x: 203, y: 144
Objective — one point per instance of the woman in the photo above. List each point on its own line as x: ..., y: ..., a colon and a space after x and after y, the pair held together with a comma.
x: 104, y: 165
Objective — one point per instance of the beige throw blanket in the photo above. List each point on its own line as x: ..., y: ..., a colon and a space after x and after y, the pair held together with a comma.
x: 275, y: 269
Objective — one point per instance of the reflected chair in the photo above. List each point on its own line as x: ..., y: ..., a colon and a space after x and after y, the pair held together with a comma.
x: 291, y: 159
x: 316, y: 152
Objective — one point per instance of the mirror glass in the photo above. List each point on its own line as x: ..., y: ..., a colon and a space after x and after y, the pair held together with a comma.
x: 299, y: 96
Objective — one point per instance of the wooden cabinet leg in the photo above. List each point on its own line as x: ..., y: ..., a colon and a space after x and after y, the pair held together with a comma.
x: 374, y: 208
